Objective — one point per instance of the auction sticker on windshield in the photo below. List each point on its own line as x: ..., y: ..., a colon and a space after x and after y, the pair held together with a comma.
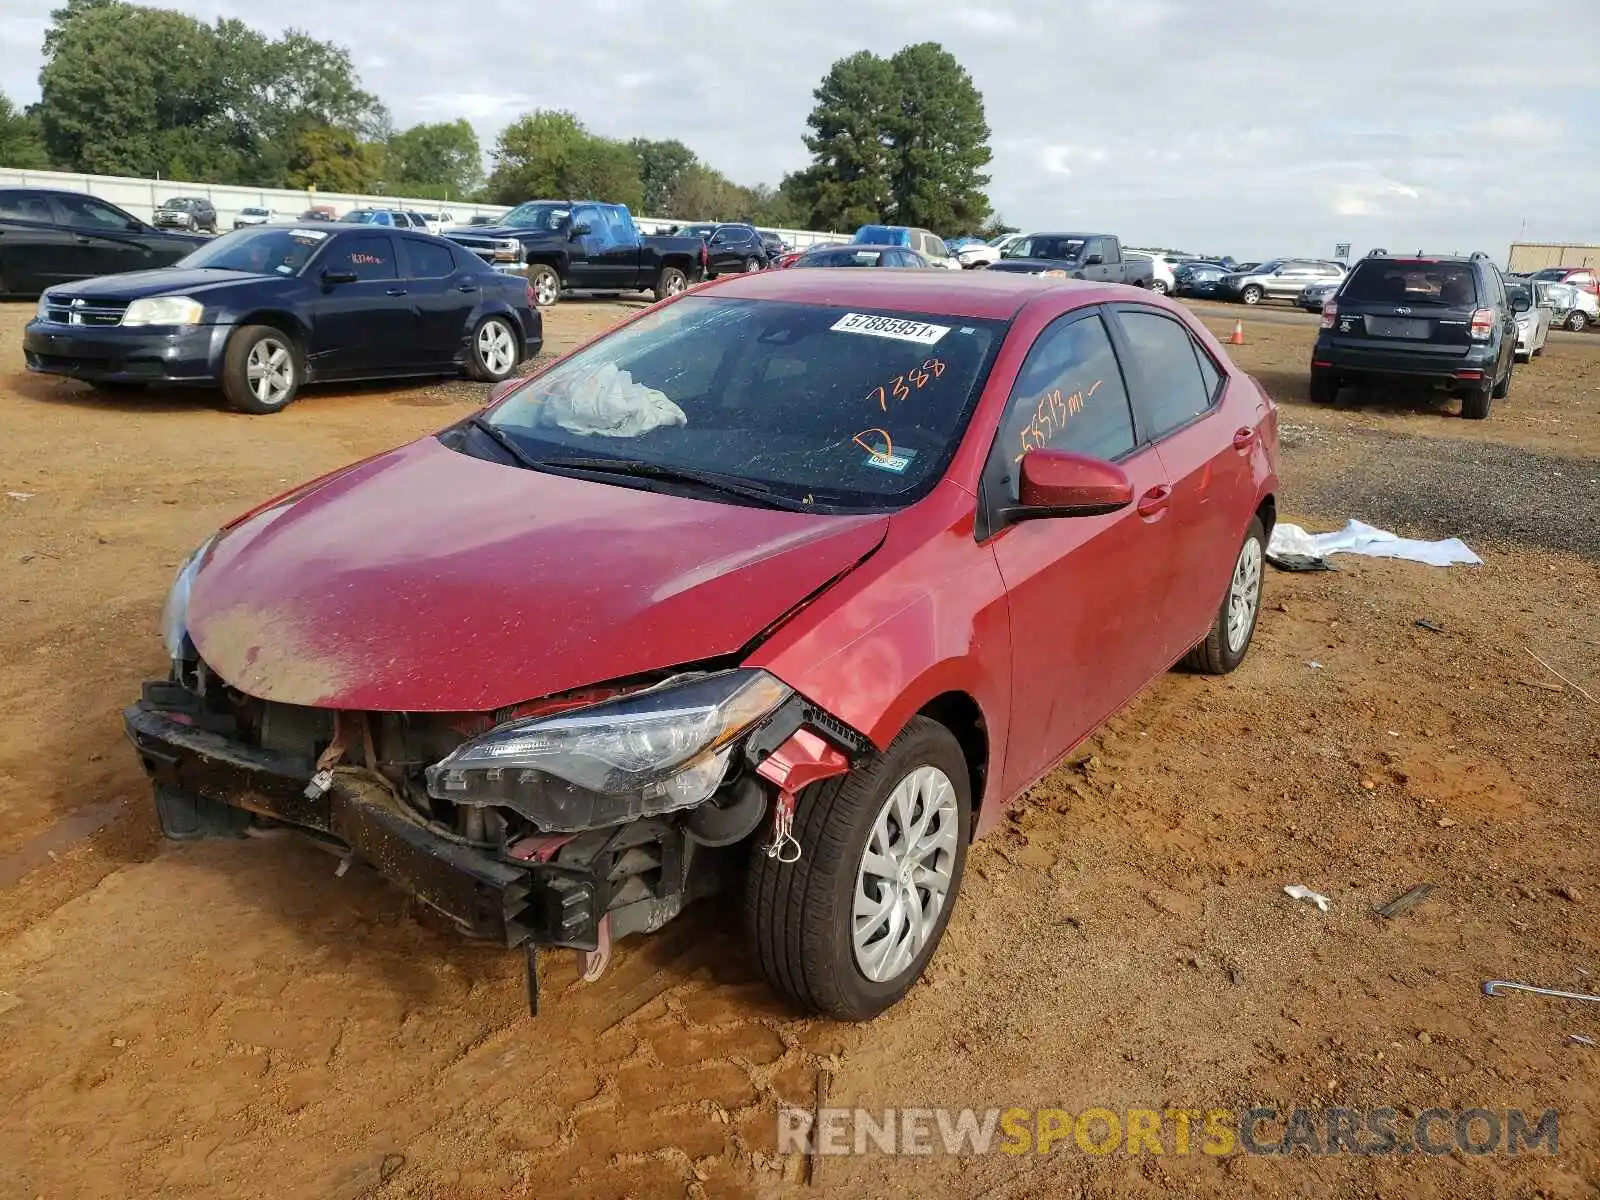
x: 891, y: 327
x: 315, y: 235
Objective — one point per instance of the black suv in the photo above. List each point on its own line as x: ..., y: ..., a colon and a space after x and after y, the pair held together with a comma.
x: 1439, y: 319
x: 732, y: 248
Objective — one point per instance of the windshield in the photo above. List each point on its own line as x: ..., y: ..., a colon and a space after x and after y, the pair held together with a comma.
x: 542, y: 215
x: 1047, y: 245
x: 252, y: 212
x: 259, y: 251
x: 841, y: 258
x: 178, y: 202
x: 1266, y: 268
x: 359, y: 216
x: 699, y: 231
x: 821, y: 405
x: 1412, y: 281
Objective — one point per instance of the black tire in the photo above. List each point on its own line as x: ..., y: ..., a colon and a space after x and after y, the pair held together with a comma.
x: 236, y: 366
x: 1576, y: 321
x: 1475, y: 404
x: 799, y: 915
x: 492, y: 339
x: 544, y: 284
x: 670, y: 282
x: 1252, y: 295
x: 751, y: 265
x: 1215, y: 655
x: 1324, y: 387
x: 1502, y: 389
x: 1536, y: 353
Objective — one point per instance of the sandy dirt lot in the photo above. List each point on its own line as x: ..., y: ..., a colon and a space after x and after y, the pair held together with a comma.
x: 229, y: 1019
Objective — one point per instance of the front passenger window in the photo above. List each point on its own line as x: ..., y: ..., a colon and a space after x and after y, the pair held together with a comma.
x: 1069, y: 395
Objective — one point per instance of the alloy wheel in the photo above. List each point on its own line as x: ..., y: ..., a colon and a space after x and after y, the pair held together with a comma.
x: 1244, y: 594
x: 270, y: 370
x: 497, y: 349
x: 904, y: 878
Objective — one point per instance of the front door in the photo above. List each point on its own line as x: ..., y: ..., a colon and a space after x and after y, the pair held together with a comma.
x: 34, y: 244
x: 1084, y: 592
x: 102, y: 239
x: 367, y: 326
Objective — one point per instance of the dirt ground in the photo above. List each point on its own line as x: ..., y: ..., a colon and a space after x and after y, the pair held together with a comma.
x: 229, y: 1019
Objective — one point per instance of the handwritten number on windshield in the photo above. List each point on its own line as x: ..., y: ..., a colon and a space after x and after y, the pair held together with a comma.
x: 901, y: 386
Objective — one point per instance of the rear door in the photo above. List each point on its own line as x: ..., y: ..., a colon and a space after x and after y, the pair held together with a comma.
x: 35, y: 247
x: 103, y: 239
x: 1419, y: 305
x: 1085, y: 593
x: 1205, y: 446
x: 367, y: 326
x: 443, y: 299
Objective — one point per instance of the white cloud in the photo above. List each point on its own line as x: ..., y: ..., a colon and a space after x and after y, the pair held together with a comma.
x: 1257, y: 127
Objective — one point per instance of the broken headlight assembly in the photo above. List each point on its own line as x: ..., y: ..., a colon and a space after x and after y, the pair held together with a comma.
x: 175, y: 613
x: 651, y: 752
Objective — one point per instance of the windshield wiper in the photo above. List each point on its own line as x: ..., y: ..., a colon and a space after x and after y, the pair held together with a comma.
x: 504, y: 440
x: 637, y: 468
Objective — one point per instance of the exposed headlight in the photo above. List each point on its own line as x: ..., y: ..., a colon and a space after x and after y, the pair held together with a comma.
x: 164, y: 310
x: 42, y: 312
x: 175, y: 614
x: 507, y: 250
x: 648, y: 753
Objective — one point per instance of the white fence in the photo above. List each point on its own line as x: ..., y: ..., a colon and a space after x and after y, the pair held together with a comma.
x: 141, y: 196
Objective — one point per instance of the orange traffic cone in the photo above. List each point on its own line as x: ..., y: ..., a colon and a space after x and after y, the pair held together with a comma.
x: 1236, y: 338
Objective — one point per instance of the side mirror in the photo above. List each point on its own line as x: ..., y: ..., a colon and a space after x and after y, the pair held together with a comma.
x: 577, y: 232
x: 331, y: 278
x: 1062, y: 483
x: 1094, y: 260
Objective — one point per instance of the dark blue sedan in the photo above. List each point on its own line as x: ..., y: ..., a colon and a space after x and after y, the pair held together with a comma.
x: 259, y: 312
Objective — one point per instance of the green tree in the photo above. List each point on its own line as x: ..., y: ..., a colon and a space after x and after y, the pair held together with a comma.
x: 995, y: 227
x: 20, y: 143
x: 548, y: 154
x: 661, y: 167
x: 901, y: 139
x: 332, y: 159
x: 938, y: 142
x: 441, y: 161
x: 848, y: 183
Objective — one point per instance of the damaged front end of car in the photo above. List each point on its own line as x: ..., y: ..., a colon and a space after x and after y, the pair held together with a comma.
x: 568, y: 821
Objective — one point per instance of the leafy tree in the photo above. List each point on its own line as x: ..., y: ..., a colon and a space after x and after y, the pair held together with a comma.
x: 901, y: 139
x: 995, y: 227
x: 848, y: 183
x: 20, y: 143
x: 939, y: 142
x: 661, y: 167
x: 549, y: 154
x: 332, y: 159
x: 441, y: 161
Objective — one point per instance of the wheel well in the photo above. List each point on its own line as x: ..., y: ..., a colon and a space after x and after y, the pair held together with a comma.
x: 278, y: 320
x: 679, y: 262
x: 1267, y: 512
x: 960, y: 714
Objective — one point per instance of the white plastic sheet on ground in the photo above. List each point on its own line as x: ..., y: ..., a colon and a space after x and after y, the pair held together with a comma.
x: 611, y: 404
x: 1359, y: 538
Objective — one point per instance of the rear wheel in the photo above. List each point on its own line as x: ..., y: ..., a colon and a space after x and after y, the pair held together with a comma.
x: 261, y: 369
x: 751, y: 265
x: 848, y: 927
x: 1159, y: 286
x: 493, y: 355
x: 1324, y: 387
x: 1252, y: 294
x: 1475, y: 404
x: 1577, y: 320
x: 1502, y: 389
x: 1235, y: 623
x: 670, y: 282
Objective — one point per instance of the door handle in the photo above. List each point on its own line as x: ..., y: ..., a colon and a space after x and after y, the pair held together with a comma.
x: 1155, y: 501
x: 395, y: 292
x: 82, y: 237
x: 1244, y: 438
x: 466, y: 287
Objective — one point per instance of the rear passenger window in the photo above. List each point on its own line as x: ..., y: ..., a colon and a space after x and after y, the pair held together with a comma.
x: 1208, y: 371
x: 1068, y: 396
x: 429, y: 261
x: 1168, y: 388
x: 370, y: 256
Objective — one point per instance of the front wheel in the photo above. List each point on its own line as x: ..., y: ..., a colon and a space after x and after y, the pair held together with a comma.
x: 493, y: 355
x: 751, y: 266
x: 1235, y: 623
x: 1159, y: 286
x: 670, y: 282
x: 260, y: 370
x: 1577, y: 321
x: 545, y: 285
x: 1252, y: 295
x: 849, y: 926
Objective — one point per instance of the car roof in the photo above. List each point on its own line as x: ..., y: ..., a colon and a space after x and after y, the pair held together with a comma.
x: 980, y: 295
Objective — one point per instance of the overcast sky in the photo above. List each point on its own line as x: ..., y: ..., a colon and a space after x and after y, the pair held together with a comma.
x: 1252, y: 127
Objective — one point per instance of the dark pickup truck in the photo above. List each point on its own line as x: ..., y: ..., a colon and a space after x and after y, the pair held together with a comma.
x: 1093, y: 256
x: 585, y: 246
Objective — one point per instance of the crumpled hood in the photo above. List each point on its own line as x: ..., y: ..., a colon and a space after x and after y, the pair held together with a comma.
x: 426, y: 580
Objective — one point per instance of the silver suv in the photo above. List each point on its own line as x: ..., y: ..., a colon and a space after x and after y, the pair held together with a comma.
x: 1279, y: 279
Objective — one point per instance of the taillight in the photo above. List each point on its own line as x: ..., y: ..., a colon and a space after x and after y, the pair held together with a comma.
x: 533, y: 300
x: 1330, y: 311
x: 1482, y: 324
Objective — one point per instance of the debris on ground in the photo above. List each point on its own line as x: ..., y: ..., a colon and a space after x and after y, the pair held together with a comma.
x: 1290, y: 542
x: 1405, y: 902
x: 1299, y: 891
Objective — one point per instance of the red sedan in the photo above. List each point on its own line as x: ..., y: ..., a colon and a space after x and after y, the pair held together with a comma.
x: 790, y: 585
